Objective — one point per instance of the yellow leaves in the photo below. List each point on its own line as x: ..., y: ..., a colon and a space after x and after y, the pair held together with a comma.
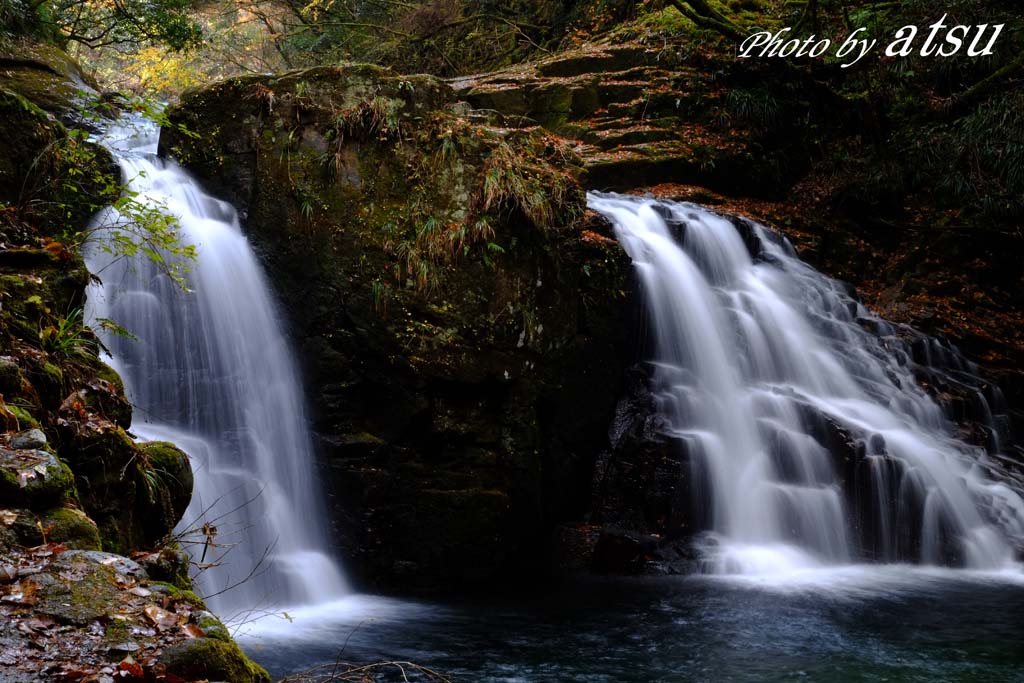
x: 162, y: 71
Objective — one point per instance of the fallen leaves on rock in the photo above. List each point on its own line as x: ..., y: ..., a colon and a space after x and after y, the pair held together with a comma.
x: 43, y: 638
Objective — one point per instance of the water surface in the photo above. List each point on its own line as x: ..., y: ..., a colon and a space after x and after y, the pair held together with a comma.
x: 851, y: 624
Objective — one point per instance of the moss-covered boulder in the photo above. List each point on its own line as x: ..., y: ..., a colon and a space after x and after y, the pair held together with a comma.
x: 456, y: 309
x: 69, y: 527
x: 50, y: 178
x: 211, y: 658
x: 136, y: 493
x: 48, y: 77
x: 34, y: 479
x: 69, y: 611
x: 168, y: 475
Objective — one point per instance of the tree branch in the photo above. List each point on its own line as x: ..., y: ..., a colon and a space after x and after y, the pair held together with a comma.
x: 705, y: 16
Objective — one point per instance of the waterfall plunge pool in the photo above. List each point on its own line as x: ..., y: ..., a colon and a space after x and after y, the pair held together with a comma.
x: 848, y: 624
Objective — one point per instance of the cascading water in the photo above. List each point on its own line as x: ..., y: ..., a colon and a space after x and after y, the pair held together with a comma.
x: 211, y: 371
x: 762, y: 363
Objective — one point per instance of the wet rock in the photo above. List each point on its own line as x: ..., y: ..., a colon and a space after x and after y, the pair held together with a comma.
x: 623, y: 552
x: 117, y: 563
x: 33, y: 479
x: 169, y: 486
x: 168, y: 564
x: 642, y: 483
x: 29, y: 440
x: 68, y: 527
x: 212, y: 659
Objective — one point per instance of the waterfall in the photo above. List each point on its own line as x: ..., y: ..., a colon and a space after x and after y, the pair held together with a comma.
x: 210, y: 370
x: 798, y: 409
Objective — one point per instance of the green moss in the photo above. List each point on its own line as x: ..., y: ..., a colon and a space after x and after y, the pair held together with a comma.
x: 109, y: 374
x: 167, y: 482
x: 83, y: 601
x: 177, y: 593
x: 25, y: 419
x: 53, y: 372
x: 51, y: 484
x: 213, y: 627
x: 170, y: 565
x: 71, y: 528
x: 117, y: 632
x: 212, y: 659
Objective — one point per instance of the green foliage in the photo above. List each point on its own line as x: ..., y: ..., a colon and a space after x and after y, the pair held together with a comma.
x: 125, y: 24
x: 73, y: 178
x: 759, y: 108
x: 68, y: 337
x: 515, y: 180
x: 111, y: 327
x: 143, y: 226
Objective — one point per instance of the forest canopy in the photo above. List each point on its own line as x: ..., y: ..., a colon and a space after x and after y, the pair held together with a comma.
x: 124, y: 24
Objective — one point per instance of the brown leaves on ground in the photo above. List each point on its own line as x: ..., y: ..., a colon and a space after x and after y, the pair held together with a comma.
x: 43, y: 638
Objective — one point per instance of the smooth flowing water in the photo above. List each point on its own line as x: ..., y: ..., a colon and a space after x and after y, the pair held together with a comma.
x: 211, y: 371
x: 766, y: 370
x: 859, y: 624
x: 761, y: 362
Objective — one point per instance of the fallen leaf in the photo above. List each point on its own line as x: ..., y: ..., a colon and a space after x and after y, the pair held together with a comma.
x: 39, y: 622
x: 8, y: 517
x: 193, y: 631
x: 160, y: 618
x: 131, y: 667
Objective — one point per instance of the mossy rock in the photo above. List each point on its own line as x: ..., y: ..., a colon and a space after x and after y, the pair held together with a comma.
x: 104, y: 397
x: 47, y: 76
x: 70, y: 527
x: 176, y: 593
x: 33, y: 297
x: 82, y: 601
x: 109, y: 374
x: 212, y: 659
x: 169, y: 565
x: 113, y: 488
x: 169, y: 483
x: 24, y: 418
x: 438, y: 380
x: 11, y: 379
x: 57, y: 181
x: 34, y: 479
x: 27, y: 131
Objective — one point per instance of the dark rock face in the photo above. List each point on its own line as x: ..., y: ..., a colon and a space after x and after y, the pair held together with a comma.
x: 643, y: 495
x: 459, y: 401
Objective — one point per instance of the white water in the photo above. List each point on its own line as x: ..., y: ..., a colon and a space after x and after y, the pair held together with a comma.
x: 211, y: 371
x: 755, y: 357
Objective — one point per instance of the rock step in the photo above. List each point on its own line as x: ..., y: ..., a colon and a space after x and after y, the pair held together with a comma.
x: 624, y: 137
x: 602, y: 124
x: 598, y: 60
x: 577, y: 99
x: 690, y: 156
